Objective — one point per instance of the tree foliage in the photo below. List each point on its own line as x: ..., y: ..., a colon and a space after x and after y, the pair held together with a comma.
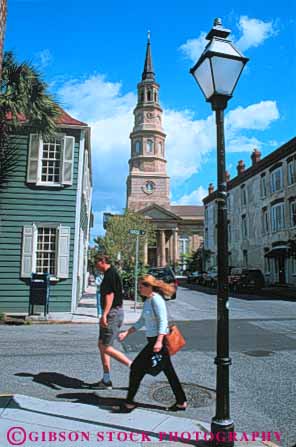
x: 120, y: 244
x: 23, y: 96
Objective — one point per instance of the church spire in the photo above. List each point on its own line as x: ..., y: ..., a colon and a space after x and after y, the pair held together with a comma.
x: 148, y: 72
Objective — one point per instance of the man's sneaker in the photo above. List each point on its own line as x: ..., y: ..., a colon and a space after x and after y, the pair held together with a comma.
x: 101, y: 385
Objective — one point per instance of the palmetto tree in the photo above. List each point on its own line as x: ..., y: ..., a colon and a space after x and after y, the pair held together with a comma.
x: 23, y: 99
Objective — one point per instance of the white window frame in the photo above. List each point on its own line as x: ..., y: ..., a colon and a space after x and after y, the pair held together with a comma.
x: 263, y: 186
x: 277, y: 217
x: 62, y: 250
x: 243, y: 195
x: 150, y: 143
x: 292, y: 213
x: 273, y: 180
x: 265, y: 221
x: 35, y: 161
x: 244, y: 226
x: 291, y: 172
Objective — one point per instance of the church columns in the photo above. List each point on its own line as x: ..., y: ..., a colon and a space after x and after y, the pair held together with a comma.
x: 162, y: 249
x: 176, y: 246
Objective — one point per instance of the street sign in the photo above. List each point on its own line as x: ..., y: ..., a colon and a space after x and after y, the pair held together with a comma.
x: 137, y: 232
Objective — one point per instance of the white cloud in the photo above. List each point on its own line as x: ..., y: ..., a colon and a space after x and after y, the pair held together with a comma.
x: 256, y: 116
x: 188, y: 140
x: 193, y: 48
x: 241, y: 143
x: 194, y: 198
x: 43, y: 58
x: 254, y: 32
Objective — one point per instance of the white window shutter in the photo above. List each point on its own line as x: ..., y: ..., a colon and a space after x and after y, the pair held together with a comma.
x: 33, y: 158
x: 28, y: 250
x: 63, y: 252
x: 68, y: 161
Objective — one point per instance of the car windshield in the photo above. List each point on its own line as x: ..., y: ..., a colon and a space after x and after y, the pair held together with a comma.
x: 160, y: 273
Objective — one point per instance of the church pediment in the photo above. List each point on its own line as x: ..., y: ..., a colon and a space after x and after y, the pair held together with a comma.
x: 157, y: 212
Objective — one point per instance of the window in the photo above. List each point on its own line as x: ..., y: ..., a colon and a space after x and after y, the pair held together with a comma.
x: 263, y: 185
x: 245, y: 258
x: 160, y: 151
x: 278, y: 217
x: 293, y: 213
x: 155, y: 96
x: 291, y: 172
x: 45, y: 249
x: 137, y: 147
x: 149, y: 95
x: 244, y: 227
x: 50, y: 162
x: 264, y: 221
x: 293, y: 265
x: 243, y: 195
x: 276, y: 180
x: 150, y: 146
x: 142, y: 96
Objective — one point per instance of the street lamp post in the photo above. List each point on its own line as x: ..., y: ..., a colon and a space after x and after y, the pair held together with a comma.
x: 217, y: 72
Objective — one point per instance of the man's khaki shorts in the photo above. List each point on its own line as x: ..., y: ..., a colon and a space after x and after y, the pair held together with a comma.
x: 109, y: 334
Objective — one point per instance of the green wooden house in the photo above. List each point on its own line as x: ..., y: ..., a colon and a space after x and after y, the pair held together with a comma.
x: 45, y: 217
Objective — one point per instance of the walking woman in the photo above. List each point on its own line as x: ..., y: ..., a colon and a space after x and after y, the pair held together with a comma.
x: 154, y: 317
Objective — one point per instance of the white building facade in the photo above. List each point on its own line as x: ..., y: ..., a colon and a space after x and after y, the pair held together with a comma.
x: 261, y: 216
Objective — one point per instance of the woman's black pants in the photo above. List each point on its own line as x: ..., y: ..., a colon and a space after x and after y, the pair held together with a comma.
x: 140, y: 365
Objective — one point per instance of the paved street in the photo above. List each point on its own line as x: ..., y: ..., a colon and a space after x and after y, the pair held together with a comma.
x: 57, y: 362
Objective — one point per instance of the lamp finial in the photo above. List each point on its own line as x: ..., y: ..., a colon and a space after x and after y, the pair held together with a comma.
x: 217, y: 22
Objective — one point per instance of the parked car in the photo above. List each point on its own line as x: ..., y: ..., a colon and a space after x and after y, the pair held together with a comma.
x: 195, y: 277
x: 167, y: 275
x: 245, y: 279
x: 209, y: 279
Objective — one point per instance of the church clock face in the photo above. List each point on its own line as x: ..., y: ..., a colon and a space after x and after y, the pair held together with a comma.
x: 149, y: 187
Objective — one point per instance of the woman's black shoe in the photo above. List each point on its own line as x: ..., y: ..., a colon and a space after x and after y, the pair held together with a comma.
x: 176, y: 407
x: 123, y: 409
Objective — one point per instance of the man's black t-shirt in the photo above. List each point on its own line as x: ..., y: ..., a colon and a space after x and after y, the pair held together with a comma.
x: 111, y: 284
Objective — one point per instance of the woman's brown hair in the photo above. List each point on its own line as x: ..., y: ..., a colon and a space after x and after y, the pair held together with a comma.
x: 158, y: 286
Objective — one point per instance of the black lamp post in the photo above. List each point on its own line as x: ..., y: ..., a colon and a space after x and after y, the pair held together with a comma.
x: 217, y: 72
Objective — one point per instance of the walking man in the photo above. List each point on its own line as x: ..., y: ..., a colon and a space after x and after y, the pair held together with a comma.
x: 111, y: 319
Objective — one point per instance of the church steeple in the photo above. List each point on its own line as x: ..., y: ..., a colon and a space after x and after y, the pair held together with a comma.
x: 147, y: 181
x: 148, y: 72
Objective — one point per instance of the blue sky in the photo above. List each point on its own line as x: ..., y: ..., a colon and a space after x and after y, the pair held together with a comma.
x: 92, y: 53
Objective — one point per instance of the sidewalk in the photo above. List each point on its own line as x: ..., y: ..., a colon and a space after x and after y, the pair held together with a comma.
x: 30, y: 421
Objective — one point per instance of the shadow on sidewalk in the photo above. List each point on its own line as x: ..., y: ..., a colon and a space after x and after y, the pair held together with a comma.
x: 55, y: 381
x: 103, y: 402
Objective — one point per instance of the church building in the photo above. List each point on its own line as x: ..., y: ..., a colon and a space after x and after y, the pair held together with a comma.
x: 179, y: 228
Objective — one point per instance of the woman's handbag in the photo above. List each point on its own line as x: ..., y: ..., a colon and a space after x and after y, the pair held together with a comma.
x: 174, y: 340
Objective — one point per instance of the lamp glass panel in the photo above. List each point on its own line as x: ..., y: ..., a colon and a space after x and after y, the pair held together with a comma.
x: 226, y: 73
x: 203, y: 75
